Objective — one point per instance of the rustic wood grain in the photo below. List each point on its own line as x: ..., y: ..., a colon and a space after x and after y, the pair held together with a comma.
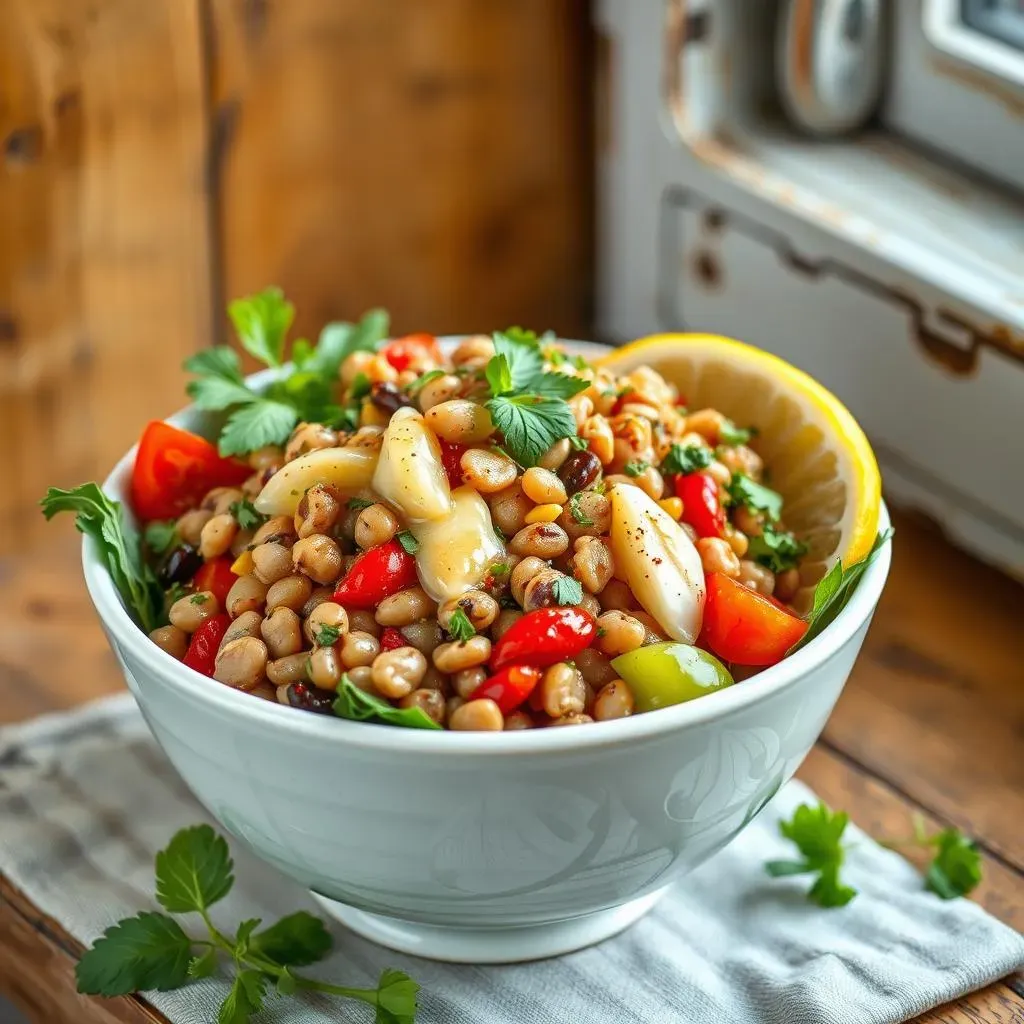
x: 430, y: 158
x: 104, y: 277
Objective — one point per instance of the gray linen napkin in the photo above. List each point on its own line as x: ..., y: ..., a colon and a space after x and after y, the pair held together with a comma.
x: 86, y: 798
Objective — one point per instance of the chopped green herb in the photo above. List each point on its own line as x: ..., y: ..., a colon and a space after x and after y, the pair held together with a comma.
x: 577, y: 513
x: 580, y: 363
x: 601, y: 632
x: 567, y: 591
x: 360, y: 706
x: 358, y: 504
x: 754, y: 496
x: 199, y: 598
x: 360, y: 387
x: 730, y: 434
x: 175, y: 592
x: 956, y: 869
x: 246, y: 515
x: 327, y: 636
x: 408, y: 541
x: 636, y: 467
x: 579, y: 443
x: 422, y: 379
x: 499, y: 569
x: 689, y: 459
x: 778, y: 550
x: 554, y: 356
x: 160, y: 535
x: 459, y: 627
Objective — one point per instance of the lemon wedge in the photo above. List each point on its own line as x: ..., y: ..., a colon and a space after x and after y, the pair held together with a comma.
x: 815, y: 452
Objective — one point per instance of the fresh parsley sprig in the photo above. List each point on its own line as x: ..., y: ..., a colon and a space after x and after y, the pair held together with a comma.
x: 258, y: 418
x: 528, y: 404
x: 152, y: 951
x: 955, y: 869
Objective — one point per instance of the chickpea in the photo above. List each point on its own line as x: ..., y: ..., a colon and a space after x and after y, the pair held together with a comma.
x: 474, y: 351
x: 757, y: 577
x: 216, y: 536
x: 481, y: 609
x: 597, y: 432
x: 430, y: 702
x: 706, y: 422
x: 540, y: 592
x: 488, y: 472
x: 618, y: 633
x: 424, y: 636
x: 319, y: 557
x: 458, y: 655
x: 737, y: 540
x: 329, y: 614
x: 318, y: 510
x: 595, y: 668
x: 592, y: 563
x: 264, y: 691
x: 481, y: 715
x: 190, y: 526
x: 188, y: 613
x: 307, y: 437
x: 291, y: 592
x: 468, y: 680
x: 450, y: 704
x: 271, y: 562
x: 575, y: 719
x: 518, y: 720
x: 405, y: 607
x: 362, y: 676
x: 247, y: 624
x: 270, y: 456
x: 241, y: 663
x: 741, y: 459
x: 590, y: 605
x: 289, y: 669
x: 247, y: 594
x: 277, y: 528
x: 523, y: 573
x: 553, y: 458
x: 282, y: 633
x: 587, y: 515
x: 717, y: 556
x: 509, y: 509
x: 439, y: 390
x: 397, y: 673
x: 506, y: 619
x: 617, y: 596
x: 561, y: 690
x: 358, y: 648
x: 171, y: 639
x: 324, y: 668
x: 750, y: 523
x: 543, y: 487
x: 434, y: 680
x: 651, y: 482
x: 362, y: 619
x: 220, y: 499
x: 787, y: 584
x: 541, y: 540
x: 374, y: 526
x: 317, y: 597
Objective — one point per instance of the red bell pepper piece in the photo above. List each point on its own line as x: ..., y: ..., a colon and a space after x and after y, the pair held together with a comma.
x: 745, y: 627
x: 411, y: 350
x: 545, y: 636
x: 451, y: 459
x: 702, y: 508
x: 202, y: 648
x: 217, y: 577
x: 375, y: 575
x: 391, y: 639
x: 509, y: 687
x: 174, y: 469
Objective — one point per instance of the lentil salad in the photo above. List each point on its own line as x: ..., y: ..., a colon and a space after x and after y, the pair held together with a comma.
x: 497, y: 537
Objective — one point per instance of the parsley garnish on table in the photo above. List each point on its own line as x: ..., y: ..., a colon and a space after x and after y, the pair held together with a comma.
x: 152, y: 951
x: 527, y: 403
x: 817, y: 832
x: 261, y: 417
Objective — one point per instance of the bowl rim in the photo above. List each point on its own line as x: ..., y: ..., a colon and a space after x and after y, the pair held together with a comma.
x: 366, y: 735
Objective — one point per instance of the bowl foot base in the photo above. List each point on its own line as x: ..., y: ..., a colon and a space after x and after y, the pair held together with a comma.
x: 489, y: 945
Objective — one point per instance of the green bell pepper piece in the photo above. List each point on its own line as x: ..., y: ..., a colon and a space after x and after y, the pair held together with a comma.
x: 670, y: 673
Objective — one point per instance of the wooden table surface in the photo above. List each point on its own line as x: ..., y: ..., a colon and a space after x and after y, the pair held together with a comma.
x: 932, y: 721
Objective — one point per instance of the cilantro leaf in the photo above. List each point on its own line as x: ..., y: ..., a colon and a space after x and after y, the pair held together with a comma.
x: 777, y: 549
x: 423, y: 379
x: 246, y: 515
x: 160, y: 535
x: 730, y: 434
x: 499, y: 375
x: 262, y: 322
x: 327, y: 635
x: 557, y: 385
x: 567, y: 591
x: 244, y: 931
x: 148, y: 951
x: 220, y: 361
x: 636, y: 467
x: 260, y: 423
x: 103, y: 519
x: 579, y: 443
x: 396, y: 997
x: 245, y: 998
x: 689, y: 459
x: 459, y: 627
x: 834, y: 590
x: 754, y: 496
x: 359, y: 706
x: 194, y: 871
x: 358, y: 504
x: 296, y: 940
x: 817, y: 833
x: 577, y: 512
x: 956, y: 869
x: 530, y: 425
x: 408, y: 542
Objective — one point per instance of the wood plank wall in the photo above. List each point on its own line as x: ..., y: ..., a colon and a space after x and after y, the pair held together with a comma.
x: 158, y: 157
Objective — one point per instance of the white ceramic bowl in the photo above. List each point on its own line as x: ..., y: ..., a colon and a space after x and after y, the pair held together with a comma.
x: 480, y: 847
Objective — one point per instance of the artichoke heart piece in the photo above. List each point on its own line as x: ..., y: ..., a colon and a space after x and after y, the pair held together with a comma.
x: 410, y: 474
x: 346, y: 469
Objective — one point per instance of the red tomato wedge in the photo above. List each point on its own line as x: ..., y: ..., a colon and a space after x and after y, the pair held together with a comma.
x: 202, y: 649
x: 174, y: 469
x: 745, y: 627
x: 509, y: 687
x: 217, y: 577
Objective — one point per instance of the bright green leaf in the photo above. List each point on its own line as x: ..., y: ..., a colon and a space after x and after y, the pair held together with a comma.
x: 523, y: 356
x: 777, y: 549
x: 730, y: 434
x: 245, y: 929
x: 956, y: 869
x: 261, y: 423
x: 567, y: 591
x: 203, y: 966
x: 689, y: 459
x: 531, y: 426
x: 754, y: 496
x: 194, y: 871
x: 817, y: 833
x: 396, y: 998
x: 459, y: 627
x: 360, y: 706
x: 262, y: 322
x: 244, y: 999
x: 296, y: 940
x: 160, y: 535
